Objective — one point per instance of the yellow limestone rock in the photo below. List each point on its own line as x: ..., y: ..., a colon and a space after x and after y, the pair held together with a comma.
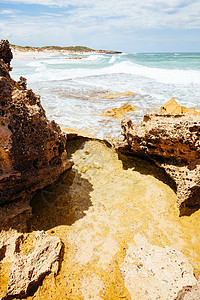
x: 120, y: 112
x: 117, y: 95
x: 190, y: 292
x: 72, y: 133
x: 174, y: 108
x: 151, y: 272
x: 98, y: 215
x: 26, y: 259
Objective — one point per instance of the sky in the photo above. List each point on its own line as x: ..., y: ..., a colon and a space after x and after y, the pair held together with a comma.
x: 123, y: 25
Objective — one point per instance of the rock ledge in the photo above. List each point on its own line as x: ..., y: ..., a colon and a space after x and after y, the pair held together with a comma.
x: 172, y: 141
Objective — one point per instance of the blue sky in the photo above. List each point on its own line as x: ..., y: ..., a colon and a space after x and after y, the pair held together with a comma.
x: 125, y: 25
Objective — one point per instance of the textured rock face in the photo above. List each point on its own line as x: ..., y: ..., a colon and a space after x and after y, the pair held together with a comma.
x: 31, y: 258
x: 5, y: 52
x: 32, y: 149
x: 15, y: 215
x: 152, y: 272
x: 190, y: 292
x: 117, y: 95
x: 172, y: 141
x: 120, y: 112
x: 172, y: 107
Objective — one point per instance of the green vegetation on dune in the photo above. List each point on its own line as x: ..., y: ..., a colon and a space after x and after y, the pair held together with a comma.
x: 57, y: 48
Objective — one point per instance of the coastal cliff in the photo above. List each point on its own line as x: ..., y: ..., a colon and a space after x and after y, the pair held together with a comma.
x: 32, y: 148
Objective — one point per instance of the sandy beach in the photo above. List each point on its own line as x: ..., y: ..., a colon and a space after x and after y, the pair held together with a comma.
x: 17, y: 54
x: 36, y: 52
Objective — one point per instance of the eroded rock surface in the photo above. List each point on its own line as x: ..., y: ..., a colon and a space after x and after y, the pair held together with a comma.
x: 172, y: 141
x: 172, y: 107
x: 109, y: 202
x: 5, y: 52
x: 32, y: 149
x: 28, y: 259
x: 190, y: 292
x: 119, y: 112
x: 152, y: 272
x: 15, y: 215
x: 117, y: 95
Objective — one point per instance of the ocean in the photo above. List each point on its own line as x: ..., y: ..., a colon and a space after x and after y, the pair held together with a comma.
x: 74, y: 91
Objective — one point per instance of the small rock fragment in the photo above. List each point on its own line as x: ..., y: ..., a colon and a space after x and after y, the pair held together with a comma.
x: 28, y: 271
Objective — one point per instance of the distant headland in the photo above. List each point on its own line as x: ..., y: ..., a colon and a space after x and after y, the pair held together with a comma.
x: 70, y: 50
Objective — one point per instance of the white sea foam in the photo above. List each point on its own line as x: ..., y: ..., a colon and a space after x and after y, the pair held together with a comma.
x: 112, y: 60
x: 174, y: 76
x: 169, y: 76
x: 34, y: 64
x: 66, y: 85
x: 94, y: 57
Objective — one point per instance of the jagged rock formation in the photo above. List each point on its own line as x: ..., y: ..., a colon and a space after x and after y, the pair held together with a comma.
x: 172, y: 107
x: 119, y: 112
x: 5, y: 52
x: 32, y: 149
x: 172, y: 142
x: 31, y: 257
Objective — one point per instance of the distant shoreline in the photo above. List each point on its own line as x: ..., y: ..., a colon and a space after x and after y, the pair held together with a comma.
x: 19, y: 51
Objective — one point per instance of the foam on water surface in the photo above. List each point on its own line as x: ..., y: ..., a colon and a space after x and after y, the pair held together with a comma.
x: 74, y: 91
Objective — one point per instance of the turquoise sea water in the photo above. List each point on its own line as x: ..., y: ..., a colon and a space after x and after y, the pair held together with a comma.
x: 73, y: 92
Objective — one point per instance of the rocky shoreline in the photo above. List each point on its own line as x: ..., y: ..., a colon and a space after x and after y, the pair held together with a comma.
x: 172, y: 142
x: 84, y: 219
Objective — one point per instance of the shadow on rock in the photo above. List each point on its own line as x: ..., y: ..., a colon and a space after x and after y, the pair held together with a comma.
x: 146, y: 167
x: 61, y: 203
x: 75, y: 143
x: 186, y: 209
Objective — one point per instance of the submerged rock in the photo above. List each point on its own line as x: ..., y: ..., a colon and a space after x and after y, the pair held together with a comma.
x: 119, y: 112
x: 32, y: 149
x: 117, y: 95
x: 172, y: 142
x: 76, y: 57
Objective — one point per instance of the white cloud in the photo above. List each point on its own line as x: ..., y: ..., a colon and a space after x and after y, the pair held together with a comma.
x: 51, y: 14
x: 91, y: 22
x: 9, y: 11
x: 139, y: 14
